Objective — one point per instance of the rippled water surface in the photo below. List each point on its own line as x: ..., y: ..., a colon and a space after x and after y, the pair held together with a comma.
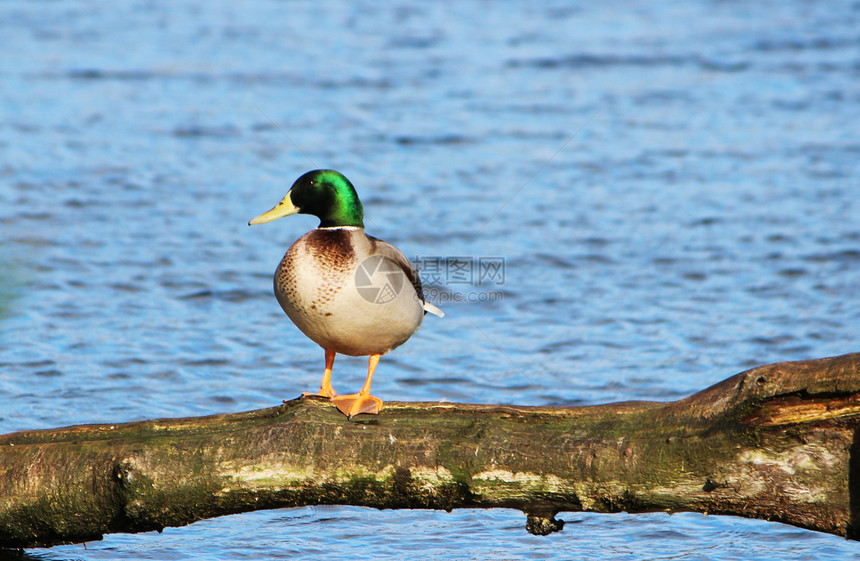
x: 672, y: 187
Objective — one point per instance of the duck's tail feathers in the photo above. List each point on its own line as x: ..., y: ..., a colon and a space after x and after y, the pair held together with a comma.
x: 431, y: 309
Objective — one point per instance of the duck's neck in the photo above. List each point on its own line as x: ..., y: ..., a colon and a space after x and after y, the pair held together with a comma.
x: 340, y: 210
x: 349, y: 228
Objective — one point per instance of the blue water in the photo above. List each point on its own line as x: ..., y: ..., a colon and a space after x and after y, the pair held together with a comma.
x: 672, y: 186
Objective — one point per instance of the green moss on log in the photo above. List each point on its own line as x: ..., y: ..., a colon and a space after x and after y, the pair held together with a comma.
x: 776, y: 442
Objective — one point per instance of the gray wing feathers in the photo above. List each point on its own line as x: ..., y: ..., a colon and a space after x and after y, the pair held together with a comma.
x: 391, y: 252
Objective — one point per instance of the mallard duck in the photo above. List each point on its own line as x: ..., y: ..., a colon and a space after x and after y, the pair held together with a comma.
x: 350, y: 293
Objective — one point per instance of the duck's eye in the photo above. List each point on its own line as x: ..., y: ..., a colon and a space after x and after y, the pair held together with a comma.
x: 312, y: 182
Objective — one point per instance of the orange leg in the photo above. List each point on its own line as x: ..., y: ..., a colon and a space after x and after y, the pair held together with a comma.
x: 361, y: 402
x: 325, y: 388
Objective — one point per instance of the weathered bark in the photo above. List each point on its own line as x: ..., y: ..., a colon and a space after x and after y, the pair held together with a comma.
x: 777, y: 442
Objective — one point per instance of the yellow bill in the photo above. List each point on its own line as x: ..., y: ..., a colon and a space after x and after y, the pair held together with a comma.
x: 283, y: 208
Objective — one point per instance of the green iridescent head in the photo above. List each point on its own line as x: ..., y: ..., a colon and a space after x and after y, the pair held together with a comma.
x: 323, y: 193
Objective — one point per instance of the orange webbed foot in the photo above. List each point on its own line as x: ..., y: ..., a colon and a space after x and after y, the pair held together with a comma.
x: 357, y: 403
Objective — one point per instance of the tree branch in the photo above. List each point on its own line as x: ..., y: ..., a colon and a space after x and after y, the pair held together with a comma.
x: 777, y: 442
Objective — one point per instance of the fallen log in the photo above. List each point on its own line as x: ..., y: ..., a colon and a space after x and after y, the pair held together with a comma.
x: 777, y: 442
